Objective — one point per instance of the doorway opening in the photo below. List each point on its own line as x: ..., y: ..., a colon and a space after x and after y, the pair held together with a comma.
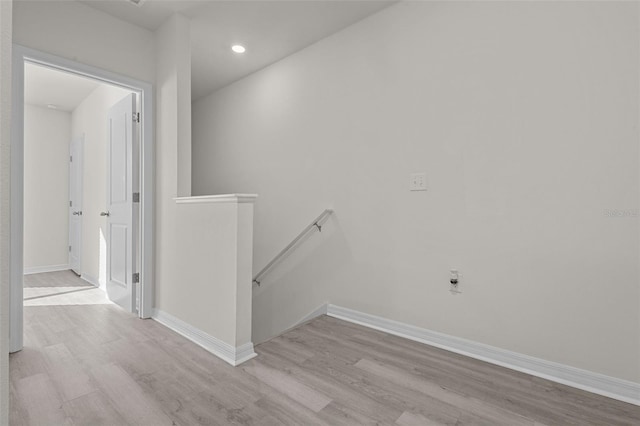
x: 70, y: 121
x: 81, y: 192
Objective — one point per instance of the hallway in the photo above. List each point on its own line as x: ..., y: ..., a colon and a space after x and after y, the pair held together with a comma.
x: 87, y: 362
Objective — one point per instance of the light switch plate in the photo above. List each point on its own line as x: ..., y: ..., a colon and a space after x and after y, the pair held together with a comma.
x: 418, y: 182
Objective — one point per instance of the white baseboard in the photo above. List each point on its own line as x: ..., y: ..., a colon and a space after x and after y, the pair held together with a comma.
x: 91, y: 280
x: 233, y: 355
x: 43, y: 269
x: 320, y: 310
x: 597, y: 383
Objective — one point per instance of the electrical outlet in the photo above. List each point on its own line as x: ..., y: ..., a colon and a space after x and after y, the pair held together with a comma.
x: 418, y: 182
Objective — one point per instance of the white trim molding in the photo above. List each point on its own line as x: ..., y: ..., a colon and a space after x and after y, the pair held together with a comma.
x: 233, y: 355
x: 597, y: 383
x: 48, y: 268
x: 223, y: 198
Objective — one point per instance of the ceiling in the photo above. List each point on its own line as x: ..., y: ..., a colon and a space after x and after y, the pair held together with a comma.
x: 150, y: 14
x: 45, y: 86
x: 270, y: 30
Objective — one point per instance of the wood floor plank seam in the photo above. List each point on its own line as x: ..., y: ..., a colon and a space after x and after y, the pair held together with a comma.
x: 87, y: 362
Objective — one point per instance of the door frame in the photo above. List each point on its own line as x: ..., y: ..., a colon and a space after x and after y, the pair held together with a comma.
x: 22, y: 55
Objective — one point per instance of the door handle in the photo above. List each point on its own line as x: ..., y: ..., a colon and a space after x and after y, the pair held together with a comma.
x: 105, y: 214
x: 78, y: 213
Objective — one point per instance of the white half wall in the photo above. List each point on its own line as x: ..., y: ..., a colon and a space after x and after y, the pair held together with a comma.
x: 47, y: 134
x: 212, y: 259
x: 524, y: 117
x: 90, y: 119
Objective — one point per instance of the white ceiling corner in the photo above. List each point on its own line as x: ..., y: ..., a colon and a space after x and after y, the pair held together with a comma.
x: 269, y: 29
x: 44, y: 86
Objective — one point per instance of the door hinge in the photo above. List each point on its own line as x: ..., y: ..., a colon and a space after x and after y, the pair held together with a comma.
x: 71, y: 158
x: 136, y: 277
x: 136, y: 197
x: 136, y: 117
x: 70, y: 203
x: 69, y: 249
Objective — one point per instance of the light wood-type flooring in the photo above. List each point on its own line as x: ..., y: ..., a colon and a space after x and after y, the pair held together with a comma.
x: 87, y: 362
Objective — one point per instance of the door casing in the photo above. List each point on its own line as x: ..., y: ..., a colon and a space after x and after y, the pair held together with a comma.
x: 21, y: 55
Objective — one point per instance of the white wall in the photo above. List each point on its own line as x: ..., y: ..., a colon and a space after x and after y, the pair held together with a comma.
x: 75, y: 31
x: 5, y: 206
x: 47, y: 134
x: 172, y: 41
x: 524, y: 117
x: 90, y: 119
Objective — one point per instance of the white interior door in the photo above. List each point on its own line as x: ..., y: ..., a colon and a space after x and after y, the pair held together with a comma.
x: 76, y: 158
x: 121, y: 226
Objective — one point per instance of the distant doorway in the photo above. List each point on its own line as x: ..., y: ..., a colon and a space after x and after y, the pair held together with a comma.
x: 126, y: 237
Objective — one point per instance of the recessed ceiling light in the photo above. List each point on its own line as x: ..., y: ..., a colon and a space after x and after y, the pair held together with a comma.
x: 238, y: 48
x: 52, y: 106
